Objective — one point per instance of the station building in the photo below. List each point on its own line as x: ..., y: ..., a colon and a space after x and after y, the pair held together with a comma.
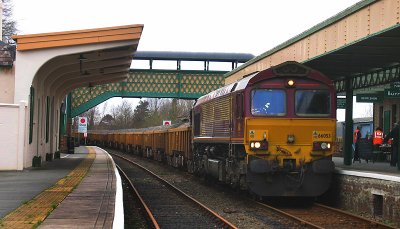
x: 36, y: 77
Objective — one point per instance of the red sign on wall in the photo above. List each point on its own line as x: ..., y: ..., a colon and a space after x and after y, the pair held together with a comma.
x: 82, y: 125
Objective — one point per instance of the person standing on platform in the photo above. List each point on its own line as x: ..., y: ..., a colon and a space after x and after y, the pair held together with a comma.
x: 377, y: 138
x: 356, y: 138
x: 395, y: 145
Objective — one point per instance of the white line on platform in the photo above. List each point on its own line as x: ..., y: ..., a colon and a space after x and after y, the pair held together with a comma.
x: 65, y: 156
x: 119, y: 204
x: 368, y: 175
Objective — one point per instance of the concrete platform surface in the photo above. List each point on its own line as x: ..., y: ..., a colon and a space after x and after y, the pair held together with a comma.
x: 92, y: 203
x: 18, y: 187
x: 380, y: 171
x: 81, y: 190
x: 377, y: 167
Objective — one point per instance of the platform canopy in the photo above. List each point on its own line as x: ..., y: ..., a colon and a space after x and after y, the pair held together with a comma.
x: 61, y: 61
x: 361, y: 43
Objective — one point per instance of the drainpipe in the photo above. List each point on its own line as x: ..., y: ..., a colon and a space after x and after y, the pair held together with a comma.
x: 348, y: 141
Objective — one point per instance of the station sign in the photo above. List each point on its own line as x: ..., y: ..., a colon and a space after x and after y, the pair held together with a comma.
x: 395, y: 85
x: 392, y: 93
x: 82, y: 125
x: 369, y: 98
x: 341, y: 103
x: 166, y: 122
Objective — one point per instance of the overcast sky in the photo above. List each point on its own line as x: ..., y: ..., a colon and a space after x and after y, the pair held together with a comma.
x: 251, y: 26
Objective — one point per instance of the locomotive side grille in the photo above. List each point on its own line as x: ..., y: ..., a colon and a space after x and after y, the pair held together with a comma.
x: 216, y: 117
x: 207, y: 119
x: 222, y: 113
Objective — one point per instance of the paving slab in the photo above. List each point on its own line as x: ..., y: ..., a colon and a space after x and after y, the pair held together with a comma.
x: 18, y: 187
x: 92, y: 203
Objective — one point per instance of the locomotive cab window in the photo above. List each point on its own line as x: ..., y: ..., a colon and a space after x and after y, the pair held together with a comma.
x: 313, y: 103
x: 268, y: 102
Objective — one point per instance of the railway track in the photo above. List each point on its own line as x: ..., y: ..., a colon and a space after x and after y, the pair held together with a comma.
x: 166, y: 205
x: 312, y: 216
x: 321, y: 216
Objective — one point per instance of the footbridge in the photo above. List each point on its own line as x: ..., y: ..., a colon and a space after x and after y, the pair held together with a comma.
x: 160, y: 83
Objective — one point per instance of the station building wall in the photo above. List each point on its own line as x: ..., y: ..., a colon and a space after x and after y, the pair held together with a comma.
x: 12, y: 134
x: 386, y: 114
x: 7, y: 85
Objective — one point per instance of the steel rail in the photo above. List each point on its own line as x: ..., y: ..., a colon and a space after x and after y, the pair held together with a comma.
x: 285, y: 214
x: 149, y: 214
x: 374, y: 223
x: 312, y: 225
x: 224, y: 222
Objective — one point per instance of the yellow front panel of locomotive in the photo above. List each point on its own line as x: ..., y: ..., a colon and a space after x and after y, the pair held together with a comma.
x: 278, y: 131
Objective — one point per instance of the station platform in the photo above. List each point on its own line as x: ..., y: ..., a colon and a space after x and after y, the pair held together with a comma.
x: 377, y: 170
x: 81, y: 190
x: 366, y: 189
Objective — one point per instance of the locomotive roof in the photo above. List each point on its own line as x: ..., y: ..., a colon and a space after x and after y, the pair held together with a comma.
x: 289, y: 68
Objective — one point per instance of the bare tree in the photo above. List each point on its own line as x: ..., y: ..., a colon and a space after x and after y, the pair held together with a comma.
x: 154, y: 104
x: 9, y: 24
x: 123, y: 115
x: 104, y: 111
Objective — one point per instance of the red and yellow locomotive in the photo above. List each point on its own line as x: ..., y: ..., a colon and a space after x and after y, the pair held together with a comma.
x: 271, y: 132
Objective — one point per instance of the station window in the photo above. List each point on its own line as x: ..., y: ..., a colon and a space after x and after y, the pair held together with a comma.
x: 31, y: 112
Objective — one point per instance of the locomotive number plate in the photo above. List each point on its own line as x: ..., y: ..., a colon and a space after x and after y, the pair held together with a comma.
x: 321, y: 135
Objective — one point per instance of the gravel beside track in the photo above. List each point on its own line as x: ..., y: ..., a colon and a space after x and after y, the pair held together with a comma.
x: 234, y: 207
x: 132, y: 211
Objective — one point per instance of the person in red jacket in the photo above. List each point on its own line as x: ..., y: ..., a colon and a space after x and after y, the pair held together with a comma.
x: 377, y: 139
x: 356, y: 137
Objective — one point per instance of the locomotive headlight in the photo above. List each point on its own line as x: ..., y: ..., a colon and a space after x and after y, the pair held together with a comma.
x: 290, y: 83
x: 259, y: 145
x: 321, y: 145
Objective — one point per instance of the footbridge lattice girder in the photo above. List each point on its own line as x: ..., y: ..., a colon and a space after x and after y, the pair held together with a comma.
x: 372, y: 79
x: 149, y: 83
